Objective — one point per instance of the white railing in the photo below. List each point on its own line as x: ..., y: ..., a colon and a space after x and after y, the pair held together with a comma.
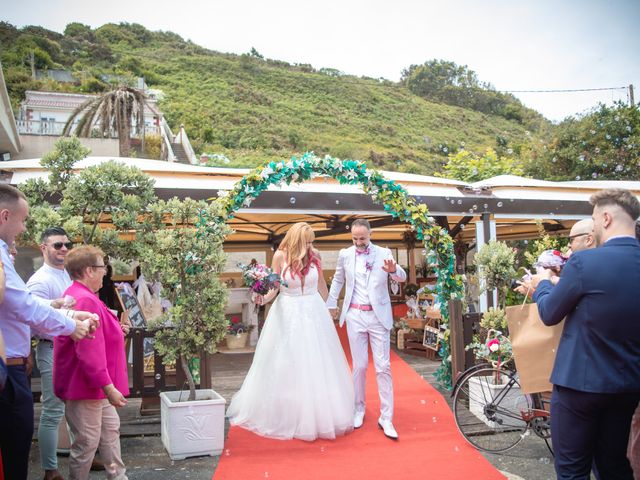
x: 166, y: 130
x: 167, y: 140
x: 38, y: 127
x: 183, y: 139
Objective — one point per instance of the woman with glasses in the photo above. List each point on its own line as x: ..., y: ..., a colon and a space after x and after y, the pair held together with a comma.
x: 90, y: 376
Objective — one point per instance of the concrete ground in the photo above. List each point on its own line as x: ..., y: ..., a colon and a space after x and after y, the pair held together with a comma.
x: 146, y: 459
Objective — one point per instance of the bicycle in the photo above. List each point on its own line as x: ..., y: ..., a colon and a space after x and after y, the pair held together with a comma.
x: 492, y: 413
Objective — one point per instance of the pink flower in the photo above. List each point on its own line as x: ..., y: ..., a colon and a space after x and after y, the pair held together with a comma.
x: 493, y: 345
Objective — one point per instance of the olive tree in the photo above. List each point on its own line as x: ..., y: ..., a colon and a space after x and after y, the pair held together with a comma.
x: 185, y: 255
x: 101, y: 204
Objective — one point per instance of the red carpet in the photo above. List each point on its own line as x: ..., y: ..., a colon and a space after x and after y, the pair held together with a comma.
x: 430, y: 446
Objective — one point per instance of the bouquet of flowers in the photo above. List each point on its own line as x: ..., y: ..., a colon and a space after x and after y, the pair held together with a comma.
x: 236, y: 327
x: 260, y: 278
x: 496, y: 349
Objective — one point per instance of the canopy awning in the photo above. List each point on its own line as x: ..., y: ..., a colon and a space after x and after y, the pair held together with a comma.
x: 514, y: 202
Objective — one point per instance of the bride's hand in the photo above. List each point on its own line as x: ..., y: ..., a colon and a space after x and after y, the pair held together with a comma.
x: 258, y: 299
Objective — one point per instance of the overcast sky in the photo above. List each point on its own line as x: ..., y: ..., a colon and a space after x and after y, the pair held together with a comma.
x: 513, y: 44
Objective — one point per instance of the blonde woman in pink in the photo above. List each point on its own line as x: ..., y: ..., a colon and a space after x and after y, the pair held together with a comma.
x: 90, y: 375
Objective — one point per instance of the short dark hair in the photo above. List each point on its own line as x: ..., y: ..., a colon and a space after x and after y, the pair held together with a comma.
x: 52, y: 232
x: 361, y: 222
x: 10, y: 194
x: 620, y: 197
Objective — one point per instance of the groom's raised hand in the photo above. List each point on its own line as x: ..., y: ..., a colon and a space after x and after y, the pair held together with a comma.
x: 389, y: 265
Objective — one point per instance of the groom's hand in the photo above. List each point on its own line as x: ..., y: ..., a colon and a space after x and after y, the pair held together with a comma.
x: 334, y: 313
x: 389, y: 265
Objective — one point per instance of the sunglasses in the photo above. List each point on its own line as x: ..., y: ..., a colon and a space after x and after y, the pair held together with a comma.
x: 59, y: 245
x: 573, y: 237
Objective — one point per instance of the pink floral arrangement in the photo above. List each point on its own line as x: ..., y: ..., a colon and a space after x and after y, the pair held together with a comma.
x: 493, y: 345
x: 260, y: 278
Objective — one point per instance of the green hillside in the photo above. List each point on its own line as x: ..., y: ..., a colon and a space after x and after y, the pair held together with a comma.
x: 251, y: 109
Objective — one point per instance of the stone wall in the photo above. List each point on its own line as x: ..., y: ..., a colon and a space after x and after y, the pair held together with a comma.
x: 35, y: 146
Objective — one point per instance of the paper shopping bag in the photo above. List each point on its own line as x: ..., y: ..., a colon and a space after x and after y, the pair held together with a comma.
x: 534, y: 347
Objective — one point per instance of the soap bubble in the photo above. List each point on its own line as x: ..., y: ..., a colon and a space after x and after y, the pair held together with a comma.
x: 292, y: 200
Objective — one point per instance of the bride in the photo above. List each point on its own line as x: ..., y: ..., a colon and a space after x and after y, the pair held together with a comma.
x: 299, y: 384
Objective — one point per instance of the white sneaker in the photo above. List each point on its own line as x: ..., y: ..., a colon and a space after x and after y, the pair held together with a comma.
x: 358, y: 419
x: 387, y: 428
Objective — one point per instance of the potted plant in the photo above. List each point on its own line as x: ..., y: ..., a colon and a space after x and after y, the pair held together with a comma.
x: 187, y: 261
x: 237, y: 333
x: 495, y: 263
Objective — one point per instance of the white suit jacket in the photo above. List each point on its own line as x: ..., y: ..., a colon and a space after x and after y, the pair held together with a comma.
x: 377, y: 282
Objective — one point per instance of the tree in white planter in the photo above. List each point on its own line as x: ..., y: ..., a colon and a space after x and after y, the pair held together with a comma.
x: 187, y: 262
x: 496, y: 267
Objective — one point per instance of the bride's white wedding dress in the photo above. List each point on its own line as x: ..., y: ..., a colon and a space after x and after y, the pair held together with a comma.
x: 299, y: 384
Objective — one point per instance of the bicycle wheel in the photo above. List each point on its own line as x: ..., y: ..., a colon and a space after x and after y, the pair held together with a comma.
x: 488, y: 407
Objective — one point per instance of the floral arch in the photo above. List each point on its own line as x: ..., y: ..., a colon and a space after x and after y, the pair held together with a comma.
x: 393, y: 196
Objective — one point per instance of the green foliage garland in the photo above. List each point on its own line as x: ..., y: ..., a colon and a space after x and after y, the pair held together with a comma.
x: 393, y: 196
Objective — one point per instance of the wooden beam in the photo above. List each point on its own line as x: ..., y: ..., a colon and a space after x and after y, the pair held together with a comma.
x: 442, y: 221
x: 458, y: 228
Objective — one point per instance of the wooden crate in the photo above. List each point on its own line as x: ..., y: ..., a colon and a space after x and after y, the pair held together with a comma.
x: 416, y: 323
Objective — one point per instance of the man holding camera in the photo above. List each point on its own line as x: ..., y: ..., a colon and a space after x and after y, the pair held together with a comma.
x: 596, y: 375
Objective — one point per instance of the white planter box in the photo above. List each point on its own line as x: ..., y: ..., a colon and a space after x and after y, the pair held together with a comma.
x: 189, y: 429
x: 485, y: 389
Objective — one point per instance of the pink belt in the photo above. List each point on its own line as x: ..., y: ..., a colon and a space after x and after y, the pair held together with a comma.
x: 364, y: 308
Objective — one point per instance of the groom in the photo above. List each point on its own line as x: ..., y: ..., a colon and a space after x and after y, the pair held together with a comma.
x: 367, y: 310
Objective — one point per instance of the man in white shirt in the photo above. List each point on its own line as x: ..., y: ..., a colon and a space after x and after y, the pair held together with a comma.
x: 49, y: 283
x: 364, y: 270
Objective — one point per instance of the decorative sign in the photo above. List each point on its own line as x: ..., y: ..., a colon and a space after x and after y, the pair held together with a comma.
x: 431, y: 337
x: 129, y: 302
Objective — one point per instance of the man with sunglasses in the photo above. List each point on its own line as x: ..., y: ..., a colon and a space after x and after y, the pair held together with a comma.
x: 581, y: 236
x: 49, y: 283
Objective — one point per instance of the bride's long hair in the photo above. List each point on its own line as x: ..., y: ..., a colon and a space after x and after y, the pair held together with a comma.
x: 298, y: 257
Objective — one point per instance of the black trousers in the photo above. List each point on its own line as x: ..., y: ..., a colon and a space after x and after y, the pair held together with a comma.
x: 591, y: 428
x: 16, y: 424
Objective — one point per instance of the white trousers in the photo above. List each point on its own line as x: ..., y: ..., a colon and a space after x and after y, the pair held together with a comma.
x: 364, y: 329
